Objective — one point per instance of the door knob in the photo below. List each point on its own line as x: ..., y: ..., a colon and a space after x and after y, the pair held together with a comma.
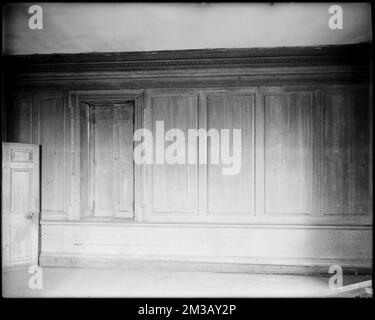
x: 30, y: 216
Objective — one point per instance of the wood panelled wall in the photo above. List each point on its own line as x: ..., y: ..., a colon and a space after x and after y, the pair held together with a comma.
x: 305, y: 157
x: 299, y: 155
x: 44, y: 120
x: 303, y: 196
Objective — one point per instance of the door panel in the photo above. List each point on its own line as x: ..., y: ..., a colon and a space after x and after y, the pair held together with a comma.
x: 21, y: 184
x: 53, y: 148
x: 288, y: 153
x: 112, y: 174
x: 104, y: 161
x: 124, y: 180
x: 20, y: 204
x: 174, y: 186
x: 20, y: 120
x: 346, y: 156
x: 231, y: 194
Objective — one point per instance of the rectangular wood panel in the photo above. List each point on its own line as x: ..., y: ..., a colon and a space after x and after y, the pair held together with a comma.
x: 112, y: 178
x: 21, y: 242
x: 346, y: 154
x: 232, y: 193
x: 174, y: 186
x: 21, y: 156
x: 83, y: 146
x: 104, y: 158
x: 21, y: 182
x: 360, y: 157
x: 288, y: 153
x: 125, y: 166
x: 52, y: 141
x: 20, y: 121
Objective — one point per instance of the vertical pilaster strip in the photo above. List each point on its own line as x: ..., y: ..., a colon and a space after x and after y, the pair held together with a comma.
x: 74, y: 212
x: 259, y: 154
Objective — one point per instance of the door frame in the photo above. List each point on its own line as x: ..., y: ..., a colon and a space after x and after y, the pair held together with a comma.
x: 79, y: 195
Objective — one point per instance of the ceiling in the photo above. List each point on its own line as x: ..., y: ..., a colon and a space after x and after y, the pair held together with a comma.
x: 117, y: 27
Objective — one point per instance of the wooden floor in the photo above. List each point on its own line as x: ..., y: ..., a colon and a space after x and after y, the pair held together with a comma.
x: 77, y: 282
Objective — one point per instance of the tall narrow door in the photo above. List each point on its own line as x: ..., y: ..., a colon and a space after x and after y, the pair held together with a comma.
x: 20, y: 205
x: 111, y: 163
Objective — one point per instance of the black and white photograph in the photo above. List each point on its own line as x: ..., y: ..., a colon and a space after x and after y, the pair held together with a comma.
x: 187, y: 150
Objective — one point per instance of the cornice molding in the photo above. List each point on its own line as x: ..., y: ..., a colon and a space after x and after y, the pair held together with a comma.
x: 353, y: 55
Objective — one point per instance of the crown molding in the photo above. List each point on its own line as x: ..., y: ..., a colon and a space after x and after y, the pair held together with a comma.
x: 338, y: 55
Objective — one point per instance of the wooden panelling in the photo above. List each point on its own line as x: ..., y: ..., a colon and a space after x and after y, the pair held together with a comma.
x: 232, y: 193
x: 346, y: 158
x: 21, y: 156
x: 52, y: 139
x: 124, y: 180
x: 239, y: 244
x: 361, y: 163
x: 103, y: 161
x: 21, y: 181
x: 20, y: 115
x: 82, y: 182
x: 299, y: 142
x: 287, y: 144
x: 174, y: 186
x: 288, y: 153
x: 111, y: 149
x: 306, y: 199
x: 21, y: 242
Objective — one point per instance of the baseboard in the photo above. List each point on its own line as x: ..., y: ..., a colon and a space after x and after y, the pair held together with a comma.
x: 205, y: 264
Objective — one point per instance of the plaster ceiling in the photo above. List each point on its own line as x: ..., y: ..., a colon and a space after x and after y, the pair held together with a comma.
x: 97, y: 27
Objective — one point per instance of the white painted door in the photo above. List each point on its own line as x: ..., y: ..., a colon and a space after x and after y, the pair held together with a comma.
x: 20, y: 205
